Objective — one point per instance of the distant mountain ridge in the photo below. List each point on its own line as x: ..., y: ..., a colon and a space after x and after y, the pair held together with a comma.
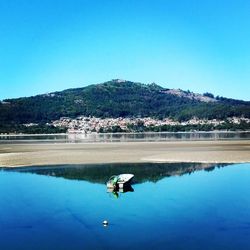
x: 120, y: 98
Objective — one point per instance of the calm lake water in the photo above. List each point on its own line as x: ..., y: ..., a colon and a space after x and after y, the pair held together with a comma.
x: 170, y: 206
x: 125, y: 137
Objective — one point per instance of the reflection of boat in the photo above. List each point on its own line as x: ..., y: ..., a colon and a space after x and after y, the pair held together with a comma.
x: 119, y: 181
x: 116, y: 191
x: 125, y: 189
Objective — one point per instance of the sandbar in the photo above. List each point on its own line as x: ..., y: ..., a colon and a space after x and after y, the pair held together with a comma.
x: 36, y: 154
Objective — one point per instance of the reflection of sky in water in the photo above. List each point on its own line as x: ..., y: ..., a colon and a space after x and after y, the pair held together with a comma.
x: 203, y: 210
x: 159, y: 136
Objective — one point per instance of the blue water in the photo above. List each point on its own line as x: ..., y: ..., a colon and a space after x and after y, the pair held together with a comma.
x: 200, y: 210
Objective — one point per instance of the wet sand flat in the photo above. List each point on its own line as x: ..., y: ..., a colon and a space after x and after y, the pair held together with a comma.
x: 13, y: 155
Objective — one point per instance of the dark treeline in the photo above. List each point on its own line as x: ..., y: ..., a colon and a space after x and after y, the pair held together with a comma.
x: 227, y: 126
x: 36, y: 129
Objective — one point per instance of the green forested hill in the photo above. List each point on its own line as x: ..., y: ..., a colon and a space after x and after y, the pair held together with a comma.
x: 118, y: 98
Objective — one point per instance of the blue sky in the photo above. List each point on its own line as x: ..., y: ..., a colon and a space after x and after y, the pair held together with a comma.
x: 50, y: 45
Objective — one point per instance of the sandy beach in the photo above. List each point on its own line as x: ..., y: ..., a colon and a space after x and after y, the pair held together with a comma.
x: 16, y: 155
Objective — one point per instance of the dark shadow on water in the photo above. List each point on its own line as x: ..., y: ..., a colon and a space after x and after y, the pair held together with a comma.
x: 144, y: 172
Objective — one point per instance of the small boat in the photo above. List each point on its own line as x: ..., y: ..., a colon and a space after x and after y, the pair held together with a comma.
x: 119, y: 181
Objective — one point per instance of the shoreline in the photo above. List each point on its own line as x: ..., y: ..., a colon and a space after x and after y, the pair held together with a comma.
x: 127, y: 133
x: 38, y: 154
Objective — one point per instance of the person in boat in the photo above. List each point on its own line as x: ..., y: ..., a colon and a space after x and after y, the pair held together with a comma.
x: 115, y: 180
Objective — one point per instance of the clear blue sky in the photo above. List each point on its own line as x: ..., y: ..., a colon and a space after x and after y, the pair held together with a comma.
x: 50, y: 45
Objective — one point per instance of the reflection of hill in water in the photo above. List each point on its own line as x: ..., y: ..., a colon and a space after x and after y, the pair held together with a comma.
x: 143, y: 171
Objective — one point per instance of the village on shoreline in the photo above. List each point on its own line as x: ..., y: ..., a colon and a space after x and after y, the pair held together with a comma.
x: 83, y: 124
